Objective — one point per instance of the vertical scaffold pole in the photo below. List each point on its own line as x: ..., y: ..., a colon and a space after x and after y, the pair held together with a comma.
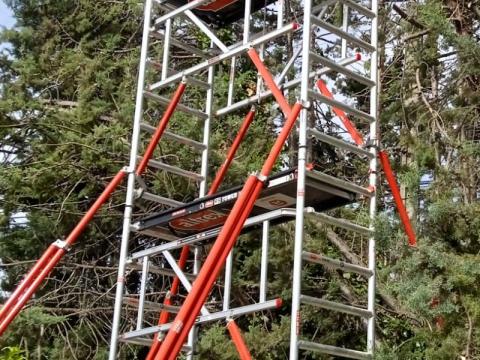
x: 374, y: 136
x: 131, y: 182
x: 192, y: 336
x: 302, y: 157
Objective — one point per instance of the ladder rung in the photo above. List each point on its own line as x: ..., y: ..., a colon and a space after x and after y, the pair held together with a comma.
x: 346, y: 185
x: 150, y: 305
x: 190, y: 79
x: 169, y: 135
x: 180, y: 107
x: 342, y: 223
x: 243, y: 310
x: 174, y: 170
x: 159, y: 34
x: 160, y: 199
x: 336, y: 264
x: 342, y: 69
x: 148, y: 342
x: 328, y: 139
x: 340, y: 105
x: 339, y: 32
x: 333, y: 350
x: 360, y: 8
x: 334, y: 306
x: 158, y: 270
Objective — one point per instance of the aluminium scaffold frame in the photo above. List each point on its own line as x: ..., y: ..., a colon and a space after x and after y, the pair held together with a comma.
x: 170, y: 337
x: 276, y: 87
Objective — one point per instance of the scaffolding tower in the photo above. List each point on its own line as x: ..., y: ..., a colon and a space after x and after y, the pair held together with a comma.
x: 265, y: 200
x: 331, y: 72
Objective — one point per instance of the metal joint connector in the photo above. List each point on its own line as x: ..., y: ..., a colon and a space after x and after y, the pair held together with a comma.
x: 137, y: 193
x: 262, y: 178
x: 128, y: 170
x: 306, y: 104
x: 372, y: 144
x: 135, y: 226
x: 61, y: 244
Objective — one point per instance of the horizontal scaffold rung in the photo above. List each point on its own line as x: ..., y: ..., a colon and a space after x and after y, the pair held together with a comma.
x: 360, y: 8
x: 341, y: 223
x: 148, y: 342
x: 236, y: 51
x: 339, y: 32
x: 287, y: 85
x: 174, y: 170
x: 335, y: 103
x: 160, y: 199
x: 164, y: 101
x: 345, y: 185
x: 334, y: 306
x: 189, y: 79
x: 159, y: 34
x: 336, y: 264
x: 331, y: 140
x: 342, y: 69
x: 158, y: 270
x: 150, y: 305
x: 243, y: 310
x: 178, y: 138
x: 333, y: 350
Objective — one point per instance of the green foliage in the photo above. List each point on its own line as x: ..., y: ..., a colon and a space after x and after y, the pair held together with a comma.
x: 12, y: 353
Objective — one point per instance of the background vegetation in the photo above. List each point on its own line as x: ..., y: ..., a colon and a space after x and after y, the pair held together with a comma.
x: 66, y: 102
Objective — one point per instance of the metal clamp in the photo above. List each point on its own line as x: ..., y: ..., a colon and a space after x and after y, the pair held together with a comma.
x: 62, y: 244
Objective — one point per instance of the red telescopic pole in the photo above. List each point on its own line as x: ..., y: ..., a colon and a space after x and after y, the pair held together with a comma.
x: 238, y: 340
x: 226, y: 239
x: 356, y: 136
x: 402, y: 211
x: 54, y: 253
x: 51, y: 258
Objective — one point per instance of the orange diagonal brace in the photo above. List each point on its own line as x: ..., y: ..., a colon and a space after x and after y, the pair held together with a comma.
x: 237, y: 338
x: 268, y: 78
x: 229, y: 233
x: 356, y: 136
x: 164, y: 315
x: 54, y: 253
x: 231, y: 153
x: 383, y: 156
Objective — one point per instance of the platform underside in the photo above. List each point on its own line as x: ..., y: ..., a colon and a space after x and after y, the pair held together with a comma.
x: 222, y: 12
x: 212, y: 211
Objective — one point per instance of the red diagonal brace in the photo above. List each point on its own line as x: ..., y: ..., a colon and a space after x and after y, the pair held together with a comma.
x: 237, y: 338
x: 356, y: 136
x: 231, y: 152
x: 402, y: 211
x: 162, y: 125
x: 54, y: 253
x: 229, y: 233
x: 164, y: 315
x: 268, y: 78
x: 50, y: 259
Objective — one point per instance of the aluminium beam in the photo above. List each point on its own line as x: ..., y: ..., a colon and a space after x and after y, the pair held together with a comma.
x: 333, y: 350
x: 342, y: 144
x: 288, y: 85
x: 343, y: 34
x: 335, y: 103
x: 341, y: 69
x: 335, y: 306
x: 341, y: 223
x: 228, y: 55
x: 243, y: 310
